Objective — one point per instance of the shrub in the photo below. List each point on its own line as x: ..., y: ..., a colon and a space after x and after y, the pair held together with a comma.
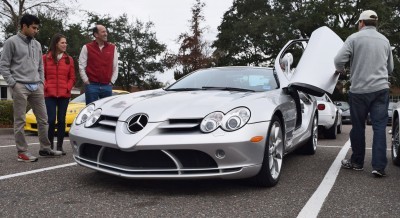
x: 6, y: 113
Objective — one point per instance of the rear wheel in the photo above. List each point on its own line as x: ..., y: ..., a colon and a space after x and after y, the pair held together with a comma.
x: 395, y: 142
x: 339, y: 127
x: 270, y: 171
x: 311, y: 145
x: 331, y: 133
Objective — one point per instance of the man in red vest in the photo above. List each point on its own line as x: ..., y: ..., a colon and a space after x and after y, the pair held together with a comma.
x: 98, y: 65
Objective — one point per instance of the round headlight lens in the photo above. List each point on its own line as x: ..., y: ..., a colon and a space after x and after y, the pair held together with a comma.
x: 84, y: 114
x: 233, y: 122
x: 211, y: 122
x: 236, y: 119
x: 93, y: 118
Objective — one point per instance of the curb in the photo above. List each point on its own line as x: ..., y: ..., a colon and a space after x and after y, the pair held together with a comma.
x: 6, y: 131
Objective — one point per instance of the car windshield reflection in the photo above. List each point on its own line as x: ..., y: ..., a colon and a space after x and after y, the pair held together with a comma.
x: 229, y: 79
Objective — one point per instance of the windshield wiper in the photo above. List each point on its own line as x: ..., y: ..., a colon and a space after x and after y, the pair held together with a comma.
x: 183, y: 89
x: 227, y: 89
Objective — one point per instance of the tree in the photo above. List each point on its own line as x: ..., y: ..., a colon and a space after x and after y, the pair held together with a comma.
x: 193, y: 52
x: 139, y: 53
x: 252, y: 32
x: 246, y: 33
x: 13, y: 10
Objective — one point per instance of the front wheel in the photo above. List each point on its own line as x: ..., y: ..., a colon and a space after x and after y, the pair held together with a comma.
x: 395, y: 142
x: 270, y: 171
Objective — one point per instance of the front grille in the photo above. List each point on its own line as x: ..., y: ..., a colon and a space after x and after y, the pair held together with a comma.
x: 180, y: 126
x: 156, y: 162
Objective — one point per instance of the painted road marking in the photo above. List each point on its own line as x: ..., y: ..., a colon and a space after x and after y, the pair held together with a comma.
x: 35, y: 143
x: 36, y: 171
x: 314, y: 204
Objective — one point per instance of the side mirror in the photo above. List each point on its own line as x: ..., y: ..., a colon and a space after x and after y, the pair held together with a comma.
x: 338, y: 104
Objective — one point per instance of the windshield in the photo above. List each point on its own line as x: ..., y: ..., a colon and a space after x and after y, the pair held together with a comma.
x: 344, y: 105
x: 228, y: 78
x: 79, y: 99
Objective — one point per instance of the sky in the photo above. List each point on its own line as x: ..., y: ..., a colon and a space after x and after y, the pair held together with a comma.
x: 170, y: 17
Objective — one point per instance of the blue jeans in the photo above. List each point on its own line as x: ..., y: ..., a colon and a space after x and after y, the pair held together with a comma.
x: 95, y: 91
x: 376, y: 103
x: 56, y: 107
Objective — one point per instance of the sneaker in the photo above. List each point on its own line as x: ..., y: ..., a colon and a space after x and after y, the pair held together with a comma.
x: 47, y: 152
x: 347, y: 164
x: 26, y: 157
x: 379, y: 173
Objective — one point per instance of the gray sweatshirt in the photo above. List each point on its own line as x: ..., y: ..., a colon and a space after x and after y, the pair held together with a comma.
x: 21, y: 61
x: 371, y: 60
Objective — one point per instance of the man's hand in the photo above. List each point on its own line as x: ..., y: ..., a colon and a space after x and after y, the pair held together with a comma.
x: 87, y: 82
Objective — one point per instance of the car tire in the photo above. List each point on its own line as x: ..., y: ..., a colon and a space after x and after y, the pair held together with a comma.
x: 395, y: 142
x: 331, y: 133
x: 339, y: 127
x: 271, y: 167
x: 310, y: 147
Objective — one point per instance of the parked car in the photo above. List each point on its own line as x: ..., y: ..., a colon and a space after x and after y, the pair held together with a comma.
x: 74, y: 107
x: 225, y: 122
x: 395, y: 134
x: 390, y: 114
x: 330, y: 117
x: 345, y: 107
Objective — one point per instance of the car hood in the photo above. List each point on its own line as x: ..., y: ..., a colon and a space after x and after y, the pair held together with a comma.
x: 161, y: 105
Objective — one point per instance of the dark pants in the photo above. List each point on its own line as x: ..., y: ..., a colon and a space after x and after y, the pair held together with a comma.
x: 376, y: 103
x: 95, y: 91
x: 56, y: 106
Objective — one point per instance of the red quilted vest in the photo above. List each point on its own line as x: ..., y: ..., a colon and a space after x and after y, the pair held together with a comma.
x: 99, y: 66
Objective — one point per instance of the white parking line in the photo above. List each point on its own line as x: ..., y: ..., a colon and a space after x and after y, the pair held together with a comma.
x: 35, y: 143
x: 337, y: 146
x: 36, y: 171
x: 314, y: 204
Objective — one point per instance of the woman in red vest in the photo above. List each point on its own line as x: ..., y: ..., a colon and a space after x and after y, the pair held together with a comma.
x: 59, y: 73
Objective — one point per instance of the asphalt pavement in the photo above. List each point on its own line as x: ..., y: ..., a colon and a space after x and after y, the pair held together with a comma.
x: 57, y: 187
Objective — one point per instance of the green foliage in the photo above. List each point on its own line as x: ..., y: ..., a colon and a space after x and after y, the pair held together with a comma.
x: 140, y: 53
x: 252, y: 32
x: 12, y: 11
x: 6, y: 113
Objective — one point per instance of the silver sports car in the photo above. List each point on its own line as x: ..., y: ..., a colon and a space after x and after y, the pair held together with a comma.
x: 227, y: 122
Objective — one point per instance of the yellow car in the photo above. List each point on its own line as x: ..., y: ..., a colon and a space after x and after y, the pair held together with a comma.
x: 74, y: 107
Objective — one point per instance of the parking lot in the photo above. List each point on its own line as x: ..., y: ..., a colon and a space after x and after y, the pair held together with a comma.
x: 309, y: 186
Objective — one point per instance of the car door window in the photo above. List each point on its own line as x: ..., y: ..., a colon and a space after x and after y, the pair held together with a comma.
x: 291, y: 57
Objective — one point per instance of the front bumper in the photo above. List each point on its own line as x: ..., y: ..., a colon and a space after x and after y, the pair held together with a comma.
x: 229, y: 155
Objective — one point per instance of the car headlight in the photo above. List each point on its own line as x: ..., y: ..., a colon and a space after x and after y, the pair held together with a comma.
x: 93, y: 118
x: 211, y: 122
x: 84, y: 114
x: 236, y: 119
x: 233, y: 120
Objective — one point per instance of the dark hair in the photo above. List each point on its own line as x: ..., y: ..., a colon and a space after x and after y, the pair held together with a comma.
x: 370, y: 22
x: 95, y: 29
x: 53, y: 47
x: 28, y: 20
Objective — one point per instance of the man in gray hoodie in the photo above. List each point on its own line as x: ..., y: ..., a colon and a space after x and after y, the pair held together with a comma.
x: 371, y: 62
x: 21, y: 65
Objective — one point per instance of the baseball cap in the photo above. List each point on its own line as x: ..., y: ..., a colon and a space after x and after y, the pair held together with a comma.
x: 368, y: 15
